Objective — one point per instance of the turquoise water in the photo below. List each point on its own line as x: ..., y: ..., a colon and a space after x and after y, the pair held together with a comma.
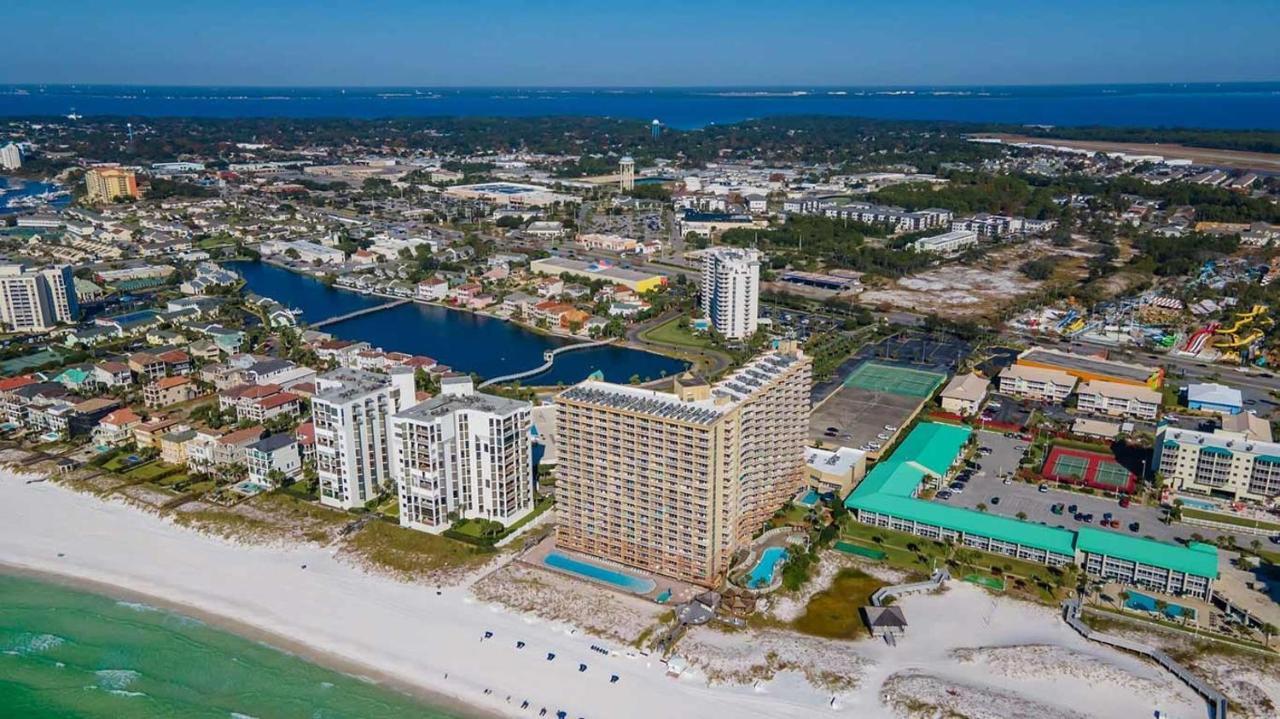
x: 599, y: 573
x: 762, y: 574
x: 810, y: 498
x: 1142, y: 602
x: 66, y: 653
x: 1198, y: 504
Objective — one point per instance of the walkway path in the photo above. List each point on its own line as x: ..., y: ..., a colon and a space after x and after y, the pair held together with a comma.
x: 1217, y: 702
x: 550, y: 357
x: 358, y: 313
x: 935, y: 581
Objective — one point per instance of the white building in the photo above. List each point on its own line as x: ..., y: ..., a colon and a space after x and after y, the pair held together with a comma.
x: 10, y: 157
x: 1118, y: 400
x: 964, y: 393
x: 1222, y: 463
x: 948, y: 243
x: 463, y: 454
x: 277, y: 453
x: 36, y: 300
x: 352, y: 412
x: 731, y: 291
x: 1037, y: 383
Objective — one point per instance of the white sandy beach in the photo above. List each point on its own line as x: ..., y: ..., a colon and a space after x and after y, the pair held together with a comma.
x: 409, y: 634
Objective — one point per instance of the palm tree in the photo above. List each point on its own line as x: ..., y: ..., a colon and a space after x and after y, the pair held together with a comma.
x: 1268, y: 630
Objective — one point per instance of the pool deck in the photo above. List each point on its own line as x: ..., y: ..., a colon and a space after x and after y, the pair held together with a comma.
x: 681, y: 592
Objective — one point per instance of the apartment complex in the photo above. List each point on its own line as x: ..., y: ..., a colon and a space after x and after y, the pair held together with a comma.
x: 1118, y: 400
x: 10, y: 157
x: 1222, y: 463
x: 463, y: 454
x: 1037, y: 383
x: 731, y: 291
x: 1088, y: 368
x: 106, y: 184
x: 676, y: 482
x: 948, y: 243
x: 888, y: 497
x: 352, y: 412
x: 36, y: 300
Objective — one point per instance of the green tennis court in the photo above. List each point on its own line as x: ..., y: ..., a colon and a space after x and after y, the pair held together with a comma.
x: 877, y: 377
x: 867, y: 552
x: 1111, y: 474
x: 1070, y: 466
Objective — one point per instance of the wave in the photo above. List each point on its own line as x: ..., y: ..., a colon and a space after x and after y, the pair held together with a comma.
x: 137, y: 606
x: 117, y: 679
x: 30, y: 643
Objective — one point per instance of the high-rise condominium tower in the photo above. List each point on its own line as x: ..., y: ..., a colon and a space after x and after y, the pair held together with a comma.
x: 731, y: 291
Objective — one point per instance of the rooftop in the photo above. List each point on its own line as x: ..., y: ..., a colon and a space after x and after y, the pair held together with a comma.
x: 1070, y: 362
x: 346, y: 384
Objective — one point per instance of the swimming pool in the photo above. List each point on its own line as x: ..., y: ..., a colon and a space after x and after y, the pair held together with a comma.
x: 810, y: 498
x: 598, y: 573
x: 1142, y: 602
x: 762, y: 574
x: 1198, y: 504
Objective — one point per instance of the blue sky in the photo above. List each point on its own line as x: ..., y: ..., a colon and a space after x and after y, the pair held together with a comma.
x: 638, y: 43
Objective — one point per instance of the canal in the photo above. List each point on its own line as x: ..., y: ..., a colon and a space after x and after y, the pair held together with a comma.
x: 462, y: 340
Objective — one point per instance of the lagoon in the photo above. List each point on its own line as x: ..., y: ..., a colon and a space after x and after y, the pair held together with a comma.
x: 464, y: 341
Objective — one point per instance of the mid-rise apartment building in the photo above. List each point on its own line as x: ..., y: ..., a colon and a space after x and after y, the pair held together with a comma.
x: 731, y: 291
x: 1050, y: 385
x: 464, y: 455
x: 10, y: 157
x: 1118, y: 400
x: 107, y: 184
x: 1221, y: 463
x: 352, y: 412
x: 676, y: 482
x: 36, y: 300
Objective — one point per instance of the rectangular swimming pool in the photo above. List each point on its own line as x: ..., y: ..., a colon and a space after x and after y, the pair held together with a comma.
x: 597, y: 573
x: 1142, y: 602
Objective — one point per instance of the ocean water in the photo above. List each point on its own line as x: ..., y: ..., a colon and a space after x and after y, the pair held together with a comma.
x: 66, y: 653
x: 1198, y: 105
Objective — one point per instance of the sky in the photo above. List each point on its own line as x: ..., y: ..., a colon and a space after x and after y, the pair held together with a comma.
x: 435, y: 43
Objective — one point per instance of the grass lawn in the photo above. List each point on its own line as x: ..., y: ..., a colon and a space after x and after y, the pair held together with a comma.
x: 411, y: 553
x: 834, y: 613
x: 671, y: 333
x: 117, y: 463
x: 151, y: 471
x: 1188, y: 512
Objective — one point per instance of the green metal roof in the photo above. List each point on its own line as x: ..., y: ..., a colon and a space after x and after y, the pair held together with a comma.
x: 1198, y: 558
x: 932, y: 447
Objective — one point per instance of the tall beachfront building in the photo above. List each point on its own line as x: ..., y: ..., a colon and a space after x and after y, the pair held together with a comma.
x: 106, y: 184
x: 352, y: 411
x: 627, y: 174
x: 10, y: 157
x: 676, y: 482
x: 36, y: 300
x: 1223, y: 463
x: 463, y: 454
x: 731, y: 291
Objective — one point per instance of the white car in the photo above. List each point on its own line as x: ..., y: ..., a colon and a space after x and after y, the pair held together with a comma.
x: 882, y: 437
x: 874, y: 445
x: 890, y: 428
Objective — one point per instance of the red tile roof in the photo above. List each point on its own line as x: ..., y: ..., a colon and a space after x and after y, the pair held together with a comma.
x: 167, y: 382
x: 13, y: 383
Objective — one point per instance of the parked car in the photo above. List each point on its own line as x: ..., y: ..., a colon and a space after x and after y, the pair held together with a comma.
x: 1057, y: 508
x: 995, y: 500
x: 1075, y: 508
x: 944, y: 494
x: 1134, y: 526
x: 1042, y: 488
x: 1124, y: 502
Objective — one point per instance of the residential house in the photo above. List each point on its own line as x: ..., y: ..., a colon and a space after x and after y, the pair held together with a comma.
x: 168, y: 391
x: 964, y: 393
x: 277, y: 453
x: 116, y: 428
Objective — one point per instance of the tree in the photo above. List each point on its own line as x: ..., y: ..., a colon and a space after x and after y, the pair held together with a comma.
x: 982, y: 507
x: 1268, y: 630
x: 1021, y: 515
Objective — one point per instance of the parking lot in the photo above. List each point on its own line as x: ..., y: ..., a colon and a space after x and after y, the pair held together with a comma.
x: 986, y: 486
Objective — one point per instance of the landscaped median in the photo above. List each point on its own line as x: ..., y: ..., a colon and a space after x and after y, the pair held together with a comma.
x: 1255, y: 526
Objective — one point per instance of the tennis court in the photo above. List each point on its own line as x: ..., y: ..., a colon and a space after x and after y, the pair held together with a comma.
x: 1092, y: 469
x: 878, y: 377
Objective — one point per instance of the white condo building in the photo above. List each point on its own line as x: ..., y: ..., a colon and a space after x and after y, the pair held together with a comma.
x: 731, y: 291
x: 36, y: 300
x: 1222, y: 463
x: 463, y: 455
x: 10, y: 157
x: 352, y: 412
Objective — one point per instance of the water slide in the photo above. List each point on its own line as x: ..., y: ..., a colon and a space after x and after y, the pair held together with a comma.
x: 1198, y: 339
x: 1068, y: 319
x: 1245, y: 341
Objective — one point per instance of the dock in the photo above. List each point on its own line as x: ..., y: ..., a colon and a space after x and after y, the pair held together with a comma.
x: 358, y: 313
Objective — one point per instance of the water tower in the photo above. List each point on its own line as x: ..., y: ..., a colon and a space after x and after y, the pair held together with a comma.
x: 627, y: 174
x: 655, y: 129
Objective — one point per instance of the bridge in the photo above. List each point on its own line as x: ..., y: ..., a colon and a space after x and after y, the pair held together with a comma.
x: 358, y: 313
x: 550, y: 358
x: 1217, y: 702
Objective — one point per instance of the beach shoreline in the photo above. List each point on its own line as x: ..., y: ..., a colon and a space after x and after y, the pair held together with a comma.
x: 275, y: 640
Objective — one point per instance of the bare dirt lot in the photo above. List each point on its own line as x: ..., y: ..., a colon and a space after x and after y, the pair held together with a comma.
x: 966, y: 291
